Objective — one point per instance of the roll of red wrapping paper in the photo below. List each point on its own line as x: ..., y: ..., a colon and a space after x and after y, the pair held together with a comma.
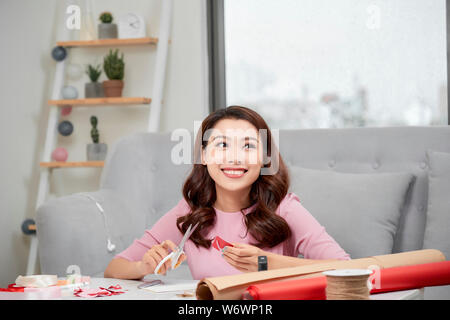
x: 301, y: 289
x: 411, y: 277
x: 383, y: 280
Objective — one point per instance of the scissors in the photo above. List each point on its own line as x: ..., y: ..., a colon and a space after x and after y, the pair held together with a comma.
x: 149, y: 283
x: 179, y: 250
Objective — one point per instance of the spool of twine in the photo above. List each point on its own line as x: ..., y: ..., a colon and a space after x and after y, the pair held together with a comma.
x: 347, y: 284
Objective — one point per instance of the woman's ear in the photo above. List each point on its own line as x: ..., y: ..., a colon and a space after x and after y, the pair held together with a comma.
x: 202, y: 156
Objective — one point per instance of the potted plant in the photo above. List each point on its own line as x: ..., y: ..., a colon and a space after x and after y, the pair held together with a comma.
x: 93, y: 89
x: 114, y: 67
x: 96, y: 151
x: 107, y: 29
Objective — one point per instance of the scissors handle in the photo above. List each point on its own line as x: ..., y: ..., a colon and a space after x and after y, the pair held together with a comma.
x: 178, y: 251
x: 169, y: 256
x: 176, y: 258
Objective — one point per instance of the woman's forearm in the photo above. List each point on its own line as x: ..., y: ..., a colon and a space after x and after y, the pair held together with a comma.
x: 123, y: 269
x: 278, y: 261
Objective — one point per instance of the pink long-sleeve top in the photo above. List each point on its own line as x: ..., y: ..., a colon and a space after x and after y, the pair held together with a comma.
x: 308, y: 238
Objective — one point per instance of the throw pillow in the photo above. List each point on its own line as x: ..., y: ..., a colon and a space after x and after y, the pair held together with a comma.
x: 361, y: 211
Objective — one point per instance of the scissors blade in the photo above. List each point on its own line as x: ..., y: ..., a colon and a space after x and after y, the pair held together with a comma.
x: 188, y: 233
x: 180, y: 249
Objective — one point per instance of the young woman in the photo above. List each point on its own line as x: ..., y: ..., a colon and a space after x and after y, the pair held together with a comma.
x: 237, y: 190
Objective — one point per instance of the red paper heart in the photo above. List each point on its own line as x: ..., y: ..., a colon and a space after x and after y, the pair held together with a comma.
x: 218, y: 243
x: 100, y: 292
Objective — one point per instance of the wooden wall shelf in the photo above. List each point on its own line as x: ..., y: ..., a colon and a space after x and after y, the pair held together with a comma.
x: 100, y: 101
x: 108, y: 42
x: 80, y: 164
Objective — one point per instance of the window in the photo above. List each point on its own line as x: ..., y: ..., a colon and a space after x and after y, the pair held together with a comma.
x: 334, y: 64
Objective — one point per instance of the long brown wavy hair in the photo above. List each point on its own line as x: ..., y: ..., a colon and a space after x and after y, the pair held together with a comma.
x: 265, y: 226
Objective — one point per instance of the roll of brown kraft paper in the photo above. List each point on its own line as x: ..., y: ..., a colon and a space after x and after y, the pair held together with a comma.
x: 232, y: 287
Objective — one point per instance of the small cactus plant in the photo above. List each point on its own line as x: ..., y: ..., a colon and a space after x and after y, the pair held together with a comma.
x: 96, y: 151
x: 94, y: 132
x: 94, y: 72
x: 113, y: 65
x: 106, y: 17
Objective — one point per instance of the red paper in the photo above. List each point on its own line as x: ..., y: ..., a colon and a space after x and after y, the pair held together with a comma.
x: 12, y: 288
x: 218, y: 243
x: 306, y: 289
x: 383, y: 280
x: 79, y: 292
x: 100, y: 292
x: 411, y: 277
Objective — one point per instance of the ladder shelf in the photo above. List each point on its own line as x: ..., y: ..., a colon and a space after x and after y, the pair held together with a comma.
x: 100, y: 101
x: 108, y: 42
x: 159, y: 74
x: 72, y: 164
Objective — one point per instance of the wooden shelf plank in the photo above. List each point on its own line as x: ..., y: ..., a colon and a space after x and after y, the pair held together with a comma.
x: 80, y: 164
x: 108, y: 42
x: 100, y: 101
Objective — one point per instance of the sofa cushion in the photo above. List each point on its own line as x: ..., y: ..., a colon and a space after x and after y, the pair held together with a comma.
x: 360, y: 211
x: 438, y: 213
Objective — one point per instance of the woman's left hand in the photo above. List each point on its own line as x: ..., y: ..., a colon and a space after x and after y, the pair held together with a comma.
x: 243, y: 257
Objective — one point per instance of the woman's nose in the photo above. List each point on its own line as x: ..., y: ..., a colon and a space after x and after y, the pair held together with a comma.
x: 237, y: 161
x: 234, y: 155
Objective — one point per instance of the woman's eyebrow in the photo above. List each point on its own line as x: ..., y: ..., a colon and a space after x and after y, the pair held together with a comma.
x: 250, y: 138
x: 217, y: 137
x: 244, y: 138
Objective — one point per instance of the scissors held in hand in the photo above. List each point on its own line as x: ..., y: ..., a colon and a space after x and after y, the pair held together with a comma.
x: 179, y: 250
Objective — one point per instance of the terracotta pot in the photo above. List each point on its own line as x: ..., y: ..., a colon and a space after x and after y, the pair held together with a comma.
x: 113, y: 88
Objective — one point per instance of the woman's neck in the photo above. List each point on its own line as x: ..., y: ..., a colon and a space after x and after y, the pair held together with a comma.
x: 231, y: 201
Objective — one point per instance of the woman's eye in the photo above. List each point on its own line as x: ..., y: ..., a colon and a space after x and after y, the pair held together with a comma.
x: 250, y: 146
x: 221, y: 144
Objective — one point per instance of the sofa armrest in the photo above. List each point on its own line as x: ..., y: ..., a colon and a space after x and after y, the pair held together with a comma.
x: 71, y: 231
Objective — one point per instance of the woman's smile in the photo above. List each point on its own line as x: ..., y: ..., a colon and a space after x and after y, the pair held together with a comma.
x: 234, y: 172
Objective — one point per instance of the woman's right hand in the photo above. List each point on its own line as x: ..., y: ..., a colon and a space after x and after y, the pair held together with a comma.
x: 154, y: 255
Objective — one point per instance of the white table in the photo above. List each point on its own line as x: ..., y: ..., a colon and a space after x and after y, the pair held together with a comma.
x: 133, y: 293
x: 414, y: 294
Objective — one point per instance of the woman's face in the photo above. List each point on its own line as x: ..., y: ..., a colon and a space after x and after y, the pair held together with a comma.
x: 233, y: 154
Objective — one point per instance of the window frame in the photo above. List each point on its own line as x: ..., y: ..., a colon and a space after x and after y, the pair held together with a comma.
x: 216, y: 54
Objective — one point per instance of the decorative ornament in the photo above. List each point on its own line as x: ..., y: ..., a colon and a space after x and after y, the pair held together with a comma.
x: 65, y: 128
x: 26, y: 226
x: 69, y: 92
x: 60, y: 154
x: 59, y: 53
x: 74, y: 71
x: 65, y: 111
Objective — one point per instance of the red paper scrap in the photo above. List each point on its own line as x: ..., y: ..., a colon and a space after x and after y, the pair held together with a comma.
x: 12, y: 288
x: 100, y: 292
x: 218, y: 243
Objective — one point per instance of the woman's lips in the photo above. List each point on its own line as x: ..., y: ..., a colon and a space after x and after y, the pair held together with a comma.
x: 237, y: 173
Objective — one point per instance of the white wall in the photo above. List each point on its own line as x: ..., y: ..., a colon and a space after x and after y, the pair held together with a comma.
x: 29, y: 30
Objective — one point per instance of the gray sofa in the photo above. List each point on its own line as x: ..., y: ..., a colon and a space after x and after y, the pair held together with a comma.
x: 376, y: 191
